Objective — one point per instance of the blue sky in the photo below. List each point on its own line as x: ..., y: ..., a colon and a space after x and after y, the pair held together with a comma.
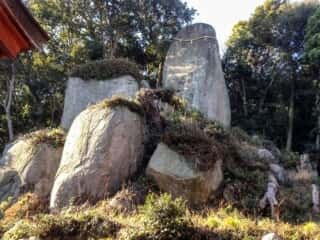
x: 223, y: 14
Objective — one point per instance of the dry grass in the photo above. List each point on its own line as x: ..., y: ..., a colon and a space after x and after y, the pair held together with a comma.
x: 161, y: 217
x: 54, y: 137
x: 231, y: 224
x: 302, y: 176
x: 117, y: 101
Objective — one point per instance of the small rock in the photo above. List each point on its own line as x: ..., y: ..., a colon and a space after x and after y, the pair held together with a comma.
x: 266, y: 155
x: 270, y: 236
x: 278, y: 172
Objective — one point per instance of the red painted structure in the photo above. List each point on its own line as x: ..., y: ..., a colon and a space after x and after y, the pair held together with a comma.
x: 19, y: 31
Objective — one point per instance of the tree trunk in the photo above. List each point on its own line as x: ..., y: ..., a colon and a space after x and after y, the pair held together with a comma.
x: 291, y: 116
x: 8, y: 102
x: 318, y: 122
x: 244, y: 98
x: 160, y: 70
x: 318, y: 133
x: 315, y: 198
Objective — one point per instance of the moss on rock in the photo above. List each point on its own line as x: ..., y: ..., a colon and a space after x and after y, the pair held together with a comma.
x: 54, y: 137
x: 117, y: 101
x: 107, y: 69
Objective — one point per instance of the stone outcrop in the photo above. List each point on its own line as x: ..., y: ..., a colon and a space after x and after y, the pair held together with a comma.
x: 9, y: 183
x: 193, y: 68
x: 174, y: 174
x: 82, y: 93
x: 36, y: 160
x: 103, y: 149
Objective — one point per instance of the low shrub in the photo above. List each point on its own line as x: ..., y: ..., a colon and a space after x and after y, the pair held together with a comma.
x: 162, y: 218
x: 290, y: 159
x: 79, y: 226
x: 107, y: 69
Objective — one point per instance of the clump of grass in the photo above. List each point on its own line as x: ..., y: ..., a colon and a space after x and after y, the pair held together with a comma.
x: 162, y: 218
x: 117, y: 101
x: 29, y: 217
x: 54, y: 137
x: 4, y: 205
x: 290, y: 159
x: 127, y: 200
x: 27, y: 205
x: 229, y: 223
x: 80, y: 226
x: 107, y: 69
x: 243, y: 136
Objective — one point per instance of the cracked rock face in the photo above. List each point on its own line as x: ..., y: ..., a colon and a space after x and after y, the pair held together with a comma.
x: 80, y: 94
x: 175, y: 175
x: 193, y: 68
x: 103, y: 149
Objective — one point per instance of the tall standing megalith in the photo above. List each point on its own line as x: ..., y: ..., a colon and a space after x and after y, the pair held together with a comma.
x: 193, y: 68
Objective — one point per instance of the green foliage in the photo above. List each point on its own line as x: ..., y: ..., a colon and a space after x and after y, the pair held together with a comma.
x: 163, y: 218
x: 230, y: 224
x: 312, y: 39
x: 107, y: 69
x: 243, y: 136
x: 264, y: 67
x: 290, y: 159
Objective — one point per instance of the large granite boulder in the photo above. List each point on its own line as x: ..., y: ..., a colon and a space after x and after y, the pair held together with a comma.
x: 174, y: 174
x: 103, y: 149
x: 81, y: 93
x: 36, y: 158
x: 193, y: 68
x: 9, y: 183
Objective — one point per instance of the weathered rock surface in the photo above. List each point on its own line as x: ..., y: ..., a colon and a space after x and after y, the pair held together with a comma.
x: 9, y: 183
x: 193, y: 68
x: 279, y: 172
x: 104, y: 148
x: 174, y: 174
x: 35, y: 162
x: 81, y: 93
